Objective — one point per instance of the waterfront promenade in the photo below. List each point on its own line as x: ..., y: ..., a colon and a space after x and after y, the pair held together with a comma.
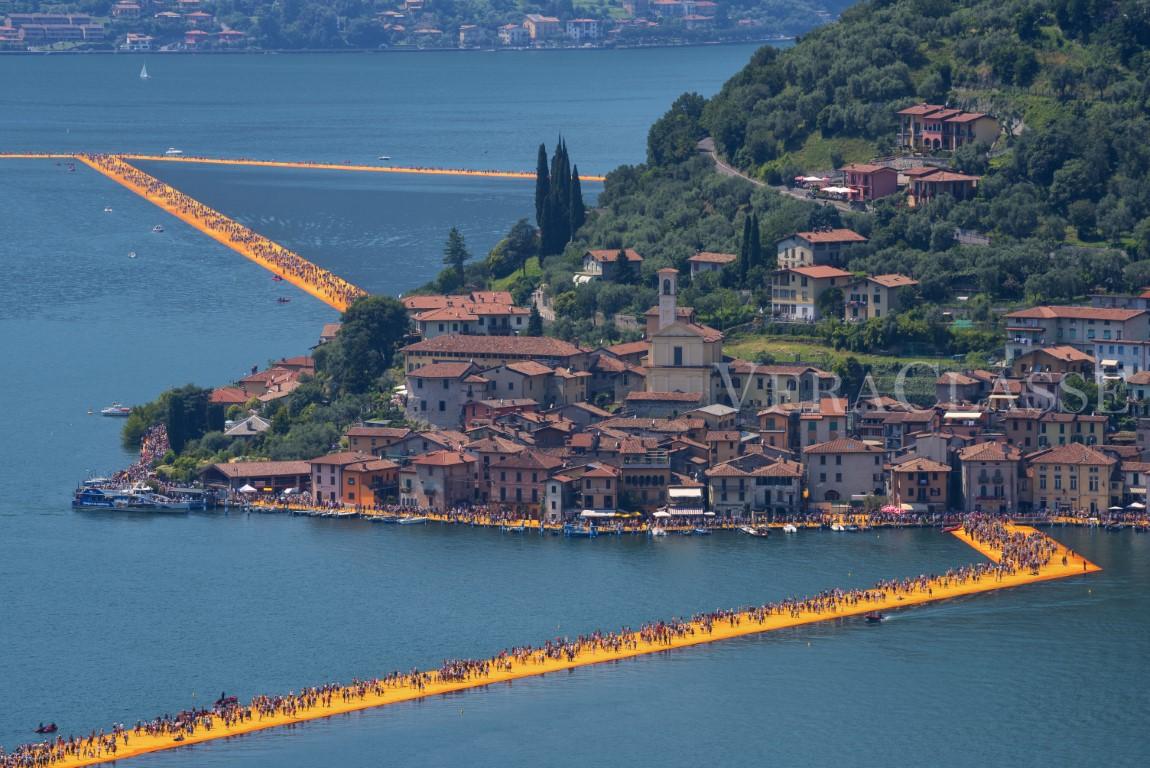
x: 1021, y: 555
x: 293, y: 268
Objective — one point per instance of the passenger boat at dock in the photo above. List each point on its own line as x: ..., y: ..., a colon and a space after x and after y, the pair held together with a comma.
x: 155, y: 502
x: 412, y: 520
x: 758, y: 531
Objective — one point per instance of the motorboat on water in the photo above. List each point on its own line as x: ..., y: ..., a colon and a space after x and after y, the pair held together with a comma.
x: 658, y: 531
x: 131, y: 254
x: 790, y: 528
x: 117, y: 410
x: 107, y: 209
x: 158, y: 228
x: 385, y: 157
x: 49, y: 728
x: 952, y: 528
x: 282, y: 300
x: 874, y: 617
x: 838, y: 527
x: 513, y: 528
x: 411, y: 520
x: 580, y: 531
x: 758, y: 531
x: 701, y: 531
x: 173, y: 152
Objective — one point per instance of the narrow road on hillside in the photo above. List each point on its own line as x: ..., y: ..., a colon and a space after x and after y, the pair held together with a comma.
x: 723, y: 168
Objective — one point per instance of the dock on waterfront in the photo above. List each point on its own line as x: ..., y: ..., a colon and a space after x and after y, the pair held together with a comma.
x: 887, y: 596
x: 293, y: 268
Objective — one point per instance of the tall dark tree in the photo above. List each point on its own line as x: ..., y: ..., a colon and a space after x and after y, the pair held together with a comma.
x: 373, y: 327
x: 455, y: 253
x: 542, y: 184
x: 557, y: 215
x: 578, y: 210
x: 755, y: 252
x: 745, y: 249
x: 624, y: 269
x: 535, y: 322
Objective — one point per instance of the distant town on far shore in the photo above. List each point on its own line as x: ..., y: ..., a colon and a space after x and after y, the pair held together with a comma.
x: 246, y: 25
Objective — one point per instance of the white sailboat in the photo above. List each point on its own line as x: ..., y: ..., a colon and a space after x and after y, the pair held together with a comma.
x: 144, y: 73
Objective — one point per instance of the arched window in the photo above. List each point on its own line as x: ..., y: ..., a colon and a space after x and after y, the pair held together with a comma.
x: 831, y: 496
x: 666, y: 287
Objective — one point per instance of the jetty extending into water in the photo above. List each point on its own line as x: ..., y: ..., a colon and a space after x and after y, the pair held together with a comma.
x: 1006, y: 546
x: 293, y: 268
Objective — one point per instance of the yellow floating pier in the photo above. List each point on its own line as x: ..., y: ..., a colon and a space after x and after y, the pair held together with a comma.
x: 829, y: 606
x: 491, y: 174
x: 295, y: 269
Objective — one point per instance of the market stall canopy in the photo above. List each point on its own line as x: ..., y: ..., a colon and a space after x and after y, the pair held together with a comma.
x: 246, y: 488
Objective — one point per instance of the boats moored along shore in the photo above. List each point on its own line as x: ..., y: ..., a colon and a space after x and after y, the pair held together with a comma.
x: 95, y: 494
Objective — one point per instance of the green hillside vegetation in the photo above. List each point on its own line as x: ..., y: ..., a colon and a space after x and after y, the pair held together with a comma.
x: 1062, y: 194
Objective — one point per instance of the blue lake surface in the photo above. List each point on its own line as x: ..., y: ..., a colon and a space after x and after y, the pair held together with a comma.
x: 109, y: 618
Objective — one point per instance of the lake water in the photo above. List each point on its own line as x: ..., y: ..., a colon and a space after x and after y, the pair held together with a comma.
x: 110, y: 617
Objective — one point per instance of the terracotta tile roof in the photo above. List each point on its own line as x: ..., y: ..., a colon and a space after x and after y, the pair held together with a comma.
x: 495, y: 444
x: 594, y: 410
x: 756, y: 465
x: 718, y: 435
x: 530, y: 458
x: 527, y: 346
x: 920, y: 464
x: 966, y: 117
x: 1141, y: 378
x: 1077, y: 313
x: 955, y: 378
x: 260, y: 469
x: 666, y: 397
x: 1073, y: 453
x: 446, y: 313
x: 920, y: 109
x: 990, y: 451
x: 942, y: 176
x: 443, y: 459
x: 441, y: 371
x: 865, y: 168
x: 1068, y: 354
x: 831, y: 236
x: 602, y: 470
x: 612, y: 255
x: 366, y: 431
x: 681, y: 313
x: 341, y: 458
x: 631, y: 347
x: 920, y: 172
x: 330, y: 330
x: 529, y: 368
x: 821, y: 272
x: 842, y: 445
x: 710, y: 257
x: 372, y: 465
x: 421, y: 303
x: 653, y: 425
x: 228, y: 396
x: 893, y: 280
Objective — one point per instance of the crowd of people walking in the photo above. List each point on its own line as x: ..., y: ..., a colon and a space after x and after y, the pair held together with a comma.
x: 1017, y: 552
x: 332, y: 288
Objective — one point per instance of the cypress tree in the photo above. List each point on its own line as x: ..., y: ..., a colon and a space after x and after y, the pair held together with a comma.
x: 745, y: 249
x: 624, y: 269
x: 535, y: 322
x: 578, y: 211
x: 542, y: 184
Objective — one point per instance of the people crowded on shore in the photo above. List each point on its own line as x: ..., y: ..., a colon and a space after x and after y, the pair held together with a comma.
x: 1017, y: 552
x: 334, y: 289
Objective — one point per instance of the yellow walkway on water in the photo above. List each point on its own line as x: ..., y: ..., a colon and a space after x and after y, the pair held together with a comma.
x: 737, y: 626
x: 300, y: 164
x: 316, y: 281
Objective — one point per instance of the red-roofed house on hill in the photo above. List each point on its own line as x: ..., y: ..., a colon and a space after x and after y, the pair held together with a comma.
x: 1079, y: 327
x: 755, y: 483
x: 876, y: 296
x: 925, y: 187
x: 821, y: 247
x: 437, y: 393
x: 932, y: 127
x: 869, y: 182
x: 604, y: 264
x: 795, y: 291
x: 519, y: 480
x: 708, y: 261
